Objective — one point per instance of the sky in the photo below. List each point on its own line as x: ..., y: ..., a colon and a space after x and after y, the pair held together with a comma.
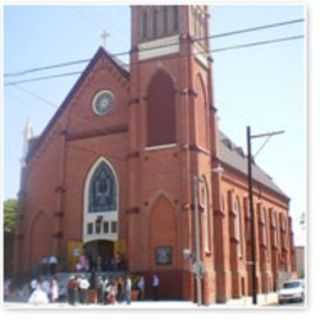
x: 262, y: 86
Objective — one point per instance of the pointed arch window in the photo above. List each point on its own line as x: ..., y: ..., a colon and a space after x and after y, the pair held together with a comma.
x: 165, y: 19
x: 236, y: 224
x: 102, y: 190
x: 144, y: 25
x: 175, y: 18
x: 206, y: 224
x: 155, y: 22
x: 274, y: 228
x: 263, y: 215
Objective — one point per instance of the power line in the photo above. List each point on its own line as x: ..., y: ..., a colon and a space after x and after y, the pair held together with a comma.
x: 15, y: 84
x: 240, y: 46
x: 258, y: 43
x: 54, y: 66
x: 60, y: 75
x: 258, y: 28
x: 46, y: 101
x: 220, y: 35
x: 262, y: 146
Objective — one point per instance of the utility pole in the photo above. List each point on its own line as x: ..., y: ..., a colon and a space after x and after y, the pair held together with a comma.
x: 251, y: 206
x: 253, y: 235
x: 196, y: 181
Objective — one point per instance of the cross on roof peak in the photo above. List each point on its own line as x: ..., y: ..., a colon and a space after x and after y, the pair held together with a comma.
x: 104, y: 36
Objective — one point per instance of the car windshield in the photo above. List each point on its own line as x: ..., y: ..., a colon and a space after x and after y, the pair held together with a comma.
x: 291, y: 285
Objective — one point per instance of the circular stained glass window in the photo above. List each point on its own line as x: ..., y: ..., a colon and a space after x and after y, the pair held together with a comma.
x: 102, y: 102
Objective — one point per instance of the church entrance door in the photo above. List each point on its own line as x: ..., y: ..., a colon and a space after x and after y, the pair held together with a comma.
x: 100, y: 254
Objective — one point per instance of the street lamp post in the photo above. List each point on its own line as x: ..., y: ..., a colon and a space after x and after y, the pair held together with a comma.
x: 251, y: 207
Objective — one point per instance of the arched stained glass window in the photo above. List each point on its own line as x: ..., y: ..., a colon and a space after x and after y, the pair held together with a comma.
x: 102, y: 190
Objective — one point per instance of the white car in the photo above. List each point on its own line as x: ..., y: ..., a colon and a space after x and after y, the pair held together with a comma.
x: 292, y: 290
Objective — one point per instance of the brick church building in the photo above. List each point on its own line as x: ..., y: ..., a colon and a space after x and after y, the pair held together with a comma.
x: 113, y: 171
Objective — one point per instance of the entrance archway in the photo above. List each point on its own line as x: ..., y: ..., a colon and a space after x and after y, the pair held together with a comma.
x: 102, y: 256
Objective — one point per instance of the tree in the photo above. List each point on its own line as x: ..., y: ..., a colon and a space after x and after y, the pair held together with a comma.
x: 10, y: 214
x: 10, y: 217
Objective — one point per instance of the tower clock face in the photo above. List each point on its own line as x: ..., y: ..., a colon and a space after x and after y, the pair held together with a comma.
x: 102, y: 102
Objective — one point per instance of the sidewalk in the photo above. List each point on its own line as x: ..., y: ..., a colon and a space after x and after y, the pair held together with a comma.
x: 262, y: 299
x: 244, y: 303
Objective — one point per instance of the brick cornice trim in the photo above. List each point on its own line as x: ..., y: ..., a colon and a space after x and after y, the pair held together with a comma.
x: 234, y: 240
x: 133, y: 101
x: 57, y: 235
x: 219, y: 213
x: 60, y: 189
x: 59, y: 214
x: 97, y: 133
x: 187, y: 91
x: 135, y: 154
x: 194, y: 147
x: 133, y: 210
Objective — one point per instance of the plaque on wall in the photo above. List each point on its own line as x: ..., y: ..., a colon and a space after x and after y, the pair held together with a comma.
x: 163, y: 255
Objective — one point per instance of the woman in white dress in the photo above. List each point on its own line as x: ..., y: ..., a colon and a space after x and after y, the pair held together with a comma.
x: 39, y: 296
x: 54, y: 290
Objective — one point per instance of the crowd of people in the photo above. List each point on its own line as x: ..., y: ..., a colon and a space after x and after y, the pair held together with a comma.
x: 101, y: 289
x: 81, y: 289
x: 86, y: 285
x: 88, y: 263
x: 43, y: 290
x: 92, y: 288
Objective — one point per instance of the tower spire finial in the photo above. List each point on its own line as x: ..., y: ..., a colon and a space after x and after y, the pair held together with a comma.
x: 27, y: 135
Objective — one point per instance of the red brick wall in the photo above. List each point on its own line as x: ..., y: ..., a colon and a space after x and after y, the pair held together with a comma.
x: 155, y: 185
x: 56, y: 173
x: 267, y: 256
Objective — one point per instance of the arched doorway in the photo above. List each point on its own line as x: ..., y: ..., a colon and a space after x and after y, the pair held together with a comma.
x: 103, y: 256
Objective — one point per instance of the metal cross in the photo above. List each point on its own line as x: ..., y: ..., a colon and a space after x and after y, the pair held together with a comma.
x: 104, y: 37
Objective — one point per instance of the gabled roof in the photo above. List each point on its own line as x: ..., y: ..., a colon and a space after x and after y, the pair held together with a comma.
x: 119, y: 65
x: 229, y: 153
x: 232, y: 155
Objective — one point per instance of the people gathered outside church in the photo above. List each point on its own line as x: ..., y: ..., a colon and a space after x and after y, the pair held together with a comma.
x: 155, y: 286
x: 140, y: 287
x: 108, y: 290
x: 127, y: 289
x: 72, y: 290
x: 53, y: 262
x: 83, y: 285
x: 44, y: 265
x: 54, y: 290
x: 84, y: 288
x: 39, y: 295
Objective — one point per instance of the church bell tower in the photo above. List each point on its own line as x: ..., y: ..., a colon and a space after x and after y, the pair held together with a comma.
x: 172, y: 139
